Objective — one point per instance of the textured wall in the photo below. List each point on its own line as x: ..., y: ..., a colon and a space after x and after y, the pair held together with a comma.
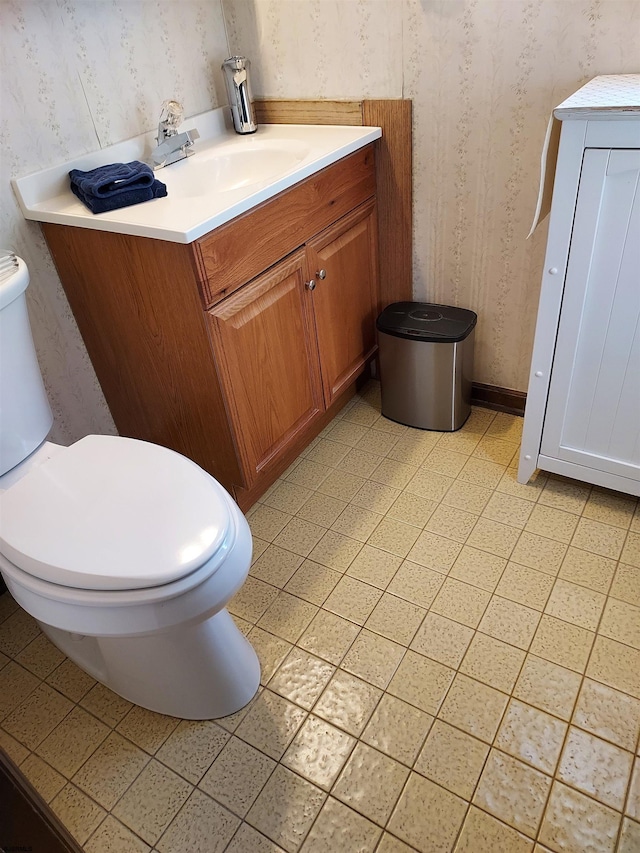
x: 75, y: 76
x: 483, y: 74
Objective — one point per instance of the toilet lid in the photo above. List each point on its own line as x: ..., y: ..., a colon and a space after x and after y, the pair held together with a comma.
x: 113, y: 513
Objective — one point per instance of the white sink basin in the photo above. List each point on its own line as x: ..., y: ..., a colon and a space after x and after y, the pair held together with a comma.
x: 228, y: 175
x: 242, y: 163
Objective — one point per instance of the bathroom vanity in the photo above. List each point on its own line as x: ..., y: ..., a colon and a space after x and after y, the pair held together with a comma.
x: 583, y: 405
x: 236, y: 347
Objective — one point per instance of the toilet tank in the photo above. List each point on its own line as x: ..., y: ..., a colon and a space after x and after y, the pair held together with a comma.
x: 25, y: 414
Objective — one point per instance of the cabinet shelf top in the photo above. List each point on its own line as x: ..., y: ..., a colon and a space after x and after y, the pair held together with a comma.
x: 606, y: 97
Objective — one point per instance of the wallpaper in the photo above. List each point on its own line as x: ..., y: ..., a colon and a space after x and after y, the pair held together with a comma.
x: 483, y: 75
x: 75, y: 76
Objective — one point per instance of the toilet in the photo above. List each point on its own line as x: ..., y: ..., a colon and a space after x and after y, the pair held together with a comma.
x: 125, y: 552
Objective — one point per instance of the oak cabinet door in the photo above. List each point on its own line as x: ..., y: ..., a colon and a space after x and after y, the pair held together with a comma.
x: 344, y: 265
x: 266, y: 354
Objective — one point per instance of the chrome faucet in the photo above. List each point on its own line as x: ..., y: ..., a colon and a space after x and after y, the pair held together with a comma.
x: 172, y: 146
x: 236, y: 78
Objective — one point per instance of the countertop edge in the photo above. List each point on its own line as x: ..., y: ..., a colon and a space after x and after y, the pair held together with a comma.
x: 44, y: 211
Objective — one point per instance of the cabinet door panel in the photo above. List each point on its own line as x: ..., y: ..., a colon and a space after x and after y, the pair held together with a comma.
x: 266, y: 354
x: 345, y: 300
x: 593, y: 411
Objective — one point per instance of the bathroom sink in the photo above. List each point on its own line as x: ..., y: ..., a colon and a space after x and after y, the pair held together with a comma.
x: 231, y: 166
x: 227, y: 175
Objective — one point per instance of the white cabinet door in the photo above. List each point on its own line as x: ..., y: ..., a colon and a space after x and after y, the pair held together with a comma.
x: 593, y: 410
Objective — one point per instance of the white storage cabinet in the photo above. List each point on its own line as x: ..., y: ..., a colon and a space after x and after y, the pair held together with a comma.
x: 582, y: 416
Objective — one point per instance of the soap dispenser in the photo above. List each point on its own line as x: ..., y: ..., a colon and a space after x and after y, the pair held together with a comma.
x: 236, y: 77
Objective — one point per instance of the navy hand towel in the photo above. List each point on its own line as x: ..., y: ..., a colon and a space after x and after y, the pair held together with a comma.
x: 115, y: 186
x: 124, y: 198
x: 111, y: 180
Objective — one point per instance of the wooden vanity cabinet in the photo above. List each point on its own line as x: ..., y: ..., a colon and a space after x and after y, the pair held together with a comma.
x: 289, y: 343
x: 237, y: 349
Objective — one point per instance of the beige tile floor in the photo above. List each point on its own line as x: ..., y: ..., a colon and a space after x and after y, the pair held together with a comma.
x: 451, y: 661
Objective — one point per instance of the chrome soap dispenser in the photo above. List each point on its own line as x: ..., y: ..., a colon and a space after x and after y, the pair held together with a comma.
x: 236, y: 77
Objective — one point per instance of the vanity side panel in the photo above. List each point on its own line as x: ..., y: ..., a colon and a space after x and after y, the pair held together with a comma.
x: 237, y: 252
x: 140, y: 315
x: 394, y: 191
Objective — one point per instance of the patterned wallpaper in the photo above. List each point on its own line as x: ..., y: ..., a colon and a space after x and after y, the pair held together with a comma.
x: 75, y: 76
x: 483, y: 75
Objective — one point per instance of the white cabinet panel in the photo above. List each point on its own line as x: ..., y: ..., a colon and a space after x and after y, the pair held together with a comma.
x: 582, y: 417
x: 593, y: 409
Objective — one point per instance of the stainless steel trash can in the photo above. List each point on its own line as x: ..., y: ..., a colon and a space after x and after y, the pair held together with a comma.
x: 426, y: 364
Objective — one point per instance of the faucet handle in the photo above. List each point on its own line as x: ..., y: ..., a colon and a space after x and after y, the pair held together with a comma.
x: 171, y: 114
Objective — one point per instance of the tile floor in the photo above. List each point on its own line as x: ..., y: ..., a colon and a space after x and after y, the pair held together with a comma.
x: 451, y: 661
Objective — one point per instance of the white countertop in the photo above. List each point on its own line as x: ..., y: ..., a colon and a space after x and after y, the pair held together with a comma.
x: 609, y: 96
x: 228, y: 175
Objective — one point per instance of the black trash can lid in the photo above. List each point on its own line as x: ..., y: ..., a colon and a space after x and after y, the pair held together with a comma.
x: 426, y: 322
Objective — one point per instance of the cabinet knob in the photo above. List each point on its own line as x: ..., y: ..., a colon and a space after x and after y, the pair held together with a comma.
x: 321, y: 274
x: 310, y: 285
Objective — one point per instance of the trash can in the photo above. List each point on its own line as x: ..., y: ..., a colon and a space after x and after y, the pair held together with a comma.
x: 426, y: 364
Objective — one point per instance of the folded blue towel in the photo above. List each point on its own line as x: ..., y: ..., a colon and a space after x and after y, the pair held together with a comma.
x: 123, y: 198
x: 110, y: 180
x: 115, y: 186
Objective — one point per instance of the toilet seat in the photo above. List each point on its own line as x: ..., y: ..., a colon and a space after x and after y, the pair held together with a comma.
x: 114, y: 514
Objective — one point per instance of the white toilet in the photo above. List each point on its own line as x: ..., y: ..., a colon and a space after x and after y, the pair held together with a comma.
x: 126, y: 553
